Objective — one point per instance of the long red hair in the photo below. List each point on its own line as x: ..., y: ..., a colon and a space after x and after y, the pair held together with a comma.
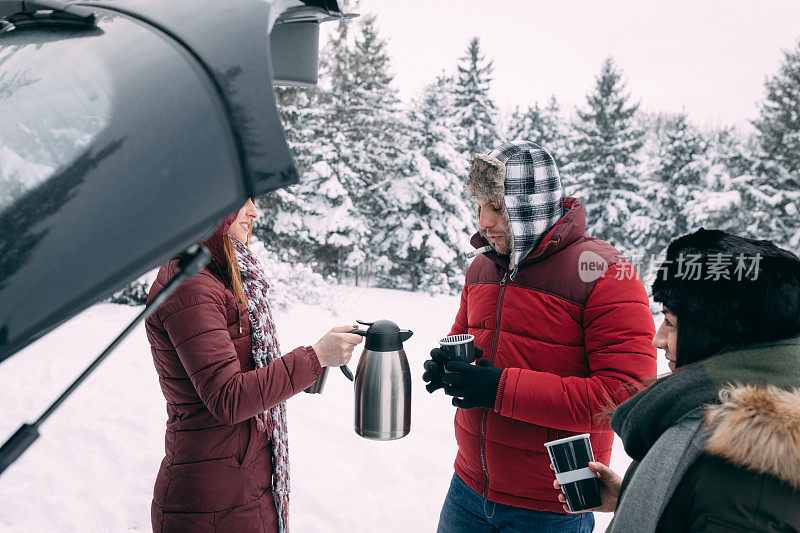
x: 233, y: 266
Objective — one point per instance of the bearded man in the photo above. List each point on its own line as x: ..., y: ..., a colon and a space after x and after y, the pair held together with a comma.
x: 563, y: 329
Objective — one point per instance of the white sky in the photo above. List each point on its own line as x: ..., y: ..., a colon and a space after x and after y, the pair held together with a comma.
x: 708, y: 58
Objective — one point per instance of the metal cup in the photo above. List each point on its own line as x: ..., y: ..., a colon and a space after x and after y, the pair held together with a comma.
x: 570, y: 458
x: 317, y: 386
x: 459, y: 348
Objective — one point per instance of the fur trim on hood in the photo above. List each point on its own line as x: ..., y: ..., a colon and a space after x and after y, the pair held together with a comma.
x: 486, y: 179
x: 757, y: 428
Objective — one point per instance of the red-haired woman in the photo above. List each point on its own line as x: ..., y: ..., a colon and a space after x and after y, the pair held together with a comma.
x: 225, y: 381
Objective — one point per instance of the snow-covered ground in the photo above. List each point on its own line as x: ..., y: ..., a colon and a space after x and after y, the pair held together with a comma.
x: 93, y: 467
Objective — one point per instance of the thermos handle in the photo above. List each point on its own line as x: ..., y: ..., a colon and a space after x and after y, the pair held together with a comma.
x: 346, y: 372
x: 345, y: 369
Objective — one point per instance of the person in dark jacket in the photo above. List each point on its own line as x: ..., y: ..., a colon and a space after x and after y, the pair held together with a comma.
x: 716, y: 445
x: 220, y: 368
x: 564, y: 324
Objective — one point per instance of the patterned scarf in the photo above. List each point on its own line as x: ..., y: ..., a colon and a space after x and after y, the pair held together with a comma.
x: 266, y: 350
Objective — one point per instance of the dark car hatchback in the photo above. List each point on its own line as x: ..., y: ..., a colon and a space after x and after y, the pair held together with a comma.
x: 128, y: 130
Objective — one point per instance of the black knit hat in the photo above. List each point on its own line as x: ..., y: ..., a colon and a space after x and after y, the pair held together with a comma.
x: 759, y: 301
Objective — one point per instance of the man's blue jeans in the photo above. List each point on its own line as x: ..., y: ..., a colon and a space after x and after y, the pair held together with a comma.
x: 463, y: 511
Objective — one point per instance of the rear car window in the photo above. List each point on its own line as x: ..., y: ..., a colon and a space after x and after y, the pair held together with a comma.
x: 55, y: 97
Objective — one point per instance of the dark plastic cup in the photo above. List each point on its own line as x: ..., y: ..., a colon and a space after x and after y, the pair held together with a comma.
x: 570, y: 458
x: 319, y: 383
x: 459, y: 348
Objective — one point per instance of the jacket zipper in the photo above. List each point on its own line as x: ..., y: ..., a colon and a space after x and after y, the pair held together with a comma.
x: 485, y: 411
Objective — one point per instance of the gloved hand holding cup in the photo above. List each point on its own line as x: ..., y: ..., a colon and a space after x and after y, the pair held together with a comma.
x: 459, y: 348
x: 451, y: 348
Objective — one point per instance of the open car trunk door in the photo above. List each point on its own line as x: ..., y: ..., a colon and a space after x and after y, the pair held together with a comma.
x: 124, y: 141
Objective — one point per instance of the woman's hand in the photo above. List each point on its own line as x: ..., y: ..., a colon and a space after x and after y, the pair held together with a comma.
x: 336, y: 347
x: 610, y: 484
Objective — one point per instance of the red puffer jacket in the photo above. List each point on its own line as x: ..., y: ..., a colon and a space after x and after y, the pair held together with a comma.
x: 567, y: 346
x: 216, y: 475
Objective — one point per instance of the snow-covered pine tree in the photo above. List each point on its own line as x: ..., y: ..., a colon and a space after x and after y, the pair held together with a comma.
x: 775, y: 189
x: 135, y: 292
x: 680, y: 170
x: 447, y: 89
x: 300, y: 123
x: 682, y: 148
x: 771, y: 202
x: 560, y: 145
x: 763, y: 181
x: 711, y: 208
x: 301, y: 117
x: 543, y: 125
x: 315, y: 221
x: 732, y: 149
x: 340, y: 105
x: 376, y: 141
x: 378, y: 134
x: 764, y: 200
x: 778, y: 126
x: 426, y: 228
x: 526, y: 124
x: 438, y: 137
x: 476, y: 109
x: 604, y: 168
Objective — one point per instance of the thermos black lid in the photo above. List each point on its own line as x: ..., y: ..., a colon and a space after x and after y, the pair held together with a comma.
x: 384, y: 336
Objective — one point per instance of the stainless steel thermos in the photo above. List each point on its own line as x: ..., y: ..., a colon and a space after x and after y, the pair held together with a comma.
x: 383, y: 383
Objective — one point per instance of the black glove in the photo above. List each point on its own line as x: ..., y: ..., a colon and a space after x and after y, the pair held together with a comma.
x: 472, y: 385
x: 434, y: 369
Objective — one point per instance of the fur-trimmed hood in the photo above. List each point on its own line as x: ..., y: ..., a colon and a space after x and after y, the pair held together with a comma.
x: 757, y: 428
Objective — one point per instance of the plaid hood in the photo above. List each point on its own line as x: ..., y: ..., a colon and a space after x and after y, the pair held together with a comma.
x: 522, y: 177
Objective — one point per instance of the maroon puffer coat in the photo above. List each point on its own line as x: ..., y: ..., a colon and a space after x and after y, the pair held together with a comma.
x: 216, y: 475
x: 567, y: 346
